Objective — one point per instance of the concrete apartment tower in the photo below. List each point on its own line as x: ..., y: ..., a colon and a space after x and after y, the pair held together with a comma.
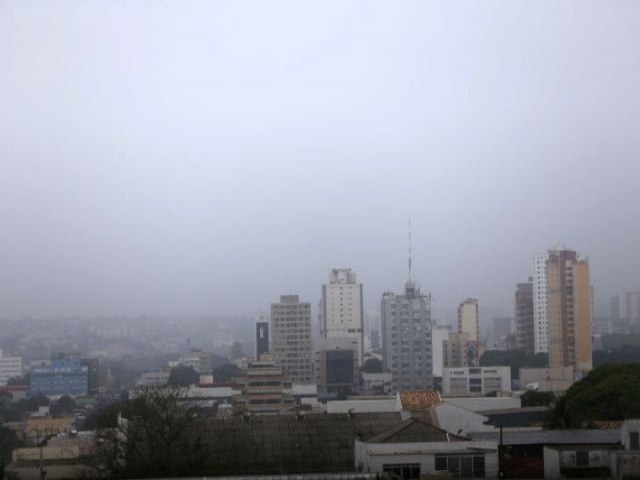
x: 291, y: 343
x: 569, y: 311
x: 540, y: 317
x: 262, y: 336
x: 468, y: 319
x: 341, y: 310
x: 524, y: 315
x: 406, y: 336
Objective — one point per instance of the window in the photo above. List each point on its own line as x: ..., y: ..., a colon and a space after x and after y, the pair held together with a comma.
x: 406, y: 471
x: 461, y: 466
x: 582, y: 458
x: 634, y: 440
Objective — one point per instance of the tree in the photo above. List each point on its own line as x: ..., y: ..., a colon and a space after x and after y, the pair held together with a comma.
x: 17, y: 381
x: 183, y: 376
x: 8, y: 442
x: 534, y: 398
x: 225, y: 373
x: 516, y: 359
x: 610, y: 392
x: 160, y: 434
x: 64, y: 405
x: 560, y: 415
x: 235, y: 351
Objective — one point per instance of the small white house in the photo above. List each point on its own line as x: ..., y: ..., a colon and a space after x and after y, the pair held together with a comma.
x: 415, y: 448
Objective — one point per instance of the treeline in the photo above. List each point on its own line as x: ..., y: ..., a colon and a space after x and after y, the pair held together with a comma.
x: 516, y: 359
x: 609, y: 392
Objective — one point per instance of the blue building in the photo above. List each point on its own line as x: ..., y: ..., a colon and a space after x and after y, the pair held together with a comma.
x: 59, y: 376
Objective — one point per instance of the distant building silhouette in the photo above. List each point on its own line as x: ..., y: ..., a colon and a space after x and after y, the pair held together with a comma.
x: 525, y: 325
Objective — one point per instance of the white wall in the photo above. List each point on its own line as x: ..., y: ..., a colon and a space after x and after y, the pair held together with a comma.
x: 439, y: 333
x: 479, y: 404
x: 371, y: 457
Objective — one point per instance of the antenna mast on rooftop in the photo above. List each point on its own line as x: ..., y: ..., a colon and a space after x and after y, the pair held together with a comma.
x: 410, y: 279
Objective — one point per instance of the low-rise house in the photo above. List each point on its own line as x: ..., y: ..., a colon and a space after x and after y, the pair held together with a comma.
x: 415, y: 448
x: 63, y: 456
x: 615, y: 461
x: 523, y: 451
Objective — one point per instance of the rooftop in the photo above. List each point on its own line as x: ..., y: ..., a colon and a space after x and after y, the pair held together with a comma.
x: 281, y: 444
x: 415, y: 430
x: 415, y: 401
x: 554, y: 437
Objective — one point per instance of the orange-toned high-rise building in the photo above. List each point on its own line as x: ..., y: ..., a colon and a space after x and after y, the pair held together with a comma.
x: 569, y: 311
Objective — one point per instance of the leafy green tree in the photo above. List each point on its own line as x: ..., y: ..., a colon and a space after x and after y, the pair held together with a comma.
x: 17, y: 381
x: 64, y: 405
x: 610, y: 392
x: 620, y: 354
x: 225, y: 373
x: 561, y: 415
x: 516, y: 359
x: 235, y: 351
x: 8, y: 442
x: 534, y: 398
x: 183, y: 376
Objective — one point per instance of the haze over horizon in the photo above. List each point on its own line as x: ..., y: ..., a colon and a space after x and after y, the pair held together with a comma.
x: 195, y: 157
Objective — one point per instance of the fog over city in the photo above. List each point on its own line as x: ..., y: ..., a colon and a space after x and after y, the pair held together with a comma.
x: 203, y: 158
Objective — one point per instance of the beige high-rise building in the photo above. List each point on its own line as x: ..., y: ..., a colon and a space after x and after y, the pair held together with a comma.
x: 291, y: 338
x: 468, y: 318
x: 569, y: 311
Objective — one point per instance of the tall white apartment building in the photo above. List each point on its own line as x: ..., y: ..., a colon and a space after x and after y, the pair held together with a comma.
x: 341, y: 312
x: 10, y: 366
x: 540, y: 315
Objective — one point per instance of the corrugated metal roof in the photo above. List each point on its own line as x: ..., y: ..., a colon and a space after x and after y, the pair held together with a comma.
x: 280, y: 444
x: 553, y: 437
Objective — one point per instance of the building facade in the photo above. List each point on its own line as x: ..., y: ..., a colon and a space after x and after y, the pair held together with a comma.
x: 459, y: 351
x: 524, y: 315
x: 469, y: 318
x: 336, y: 368
x: 199, y: 360
x: 264, y: 388
x: 475, y: 380
x: 10, y: 367
x: 291, y: 338
x: 569, y: 311
x: 59, y: 376
x: 439, y: 333
x: 341, y: 312
x: 262, y: 337
x: 406, y: 338
x: 540, y: 317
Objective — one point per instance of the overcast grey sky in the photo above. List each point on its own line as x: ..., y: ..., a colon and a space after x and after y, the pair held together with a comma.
x: 204, y: 157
